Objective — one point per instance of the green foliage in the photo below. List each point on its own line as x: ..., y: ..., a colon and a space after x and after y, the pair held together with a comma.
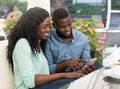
x: 87, y: 28
x: 68, y: 2
x: 21, y: 5
x: 11, y: 20
x: 115, y: 4
x: 86, y: 9
x: 6, y: 2
x: 51, y: 3
x: 11, y: 3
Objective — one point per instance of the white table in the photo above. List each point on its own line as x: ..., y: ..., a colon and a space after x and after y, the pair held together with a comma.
x: 93, y: 80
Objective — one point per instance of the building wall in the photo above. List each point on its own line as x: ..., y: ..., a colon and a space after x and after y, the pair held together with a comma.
x: 39, y: 3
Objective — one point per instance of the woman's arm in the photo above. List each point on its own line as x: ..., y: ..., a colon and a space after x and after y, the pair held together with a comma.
x: 43, y: 79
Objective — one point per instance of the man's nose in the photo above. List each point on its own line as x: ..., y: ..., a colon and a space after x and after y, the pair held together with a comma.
x: 67, y: 28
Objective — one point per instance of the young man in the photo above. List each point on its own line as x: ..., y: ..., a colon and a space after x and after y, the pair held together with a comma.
x: 66, y: 49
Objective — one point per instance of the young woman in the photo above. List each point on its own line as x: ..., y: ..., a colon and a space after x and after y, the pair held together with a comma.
x: 25, y: 55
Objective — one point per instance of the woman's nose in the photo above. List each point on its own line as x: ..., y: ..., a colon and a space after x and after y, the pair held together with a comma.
x: 48, y: 29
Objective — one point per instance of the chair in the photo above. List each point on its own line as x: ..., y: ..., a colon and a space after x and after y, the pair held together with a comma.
x: 6, y: 76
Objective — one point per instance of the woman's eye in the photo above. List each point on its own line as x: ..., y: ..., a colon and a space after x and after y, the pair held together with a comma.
x: 46, y: 26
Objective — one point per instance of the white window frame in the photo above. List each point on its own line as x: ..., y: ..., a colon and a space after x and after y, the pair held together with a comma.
x: 109, y: 12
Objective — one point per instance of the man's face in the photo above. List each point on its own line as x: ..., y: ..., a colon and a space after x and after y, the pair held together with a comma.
x: 63, y: 27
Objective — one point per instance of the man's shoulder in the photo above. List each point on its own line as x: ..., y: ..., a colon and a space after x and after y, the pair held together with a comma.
x: 52, y: 35
x: 53, y: 30
x: 78, y: 33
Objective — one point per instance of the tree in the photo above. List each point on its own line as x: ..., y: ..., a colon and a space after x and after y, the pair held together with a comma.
x: 11, y: 3
x: 5, y: 2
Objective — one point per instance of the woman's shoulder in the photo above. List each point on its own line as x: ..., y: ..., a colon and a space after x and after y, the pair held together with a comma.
x: 22, y: 42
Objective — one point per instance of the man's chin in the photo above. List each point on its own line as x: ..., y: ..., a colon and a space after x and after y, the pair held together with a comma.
x: 67, y: 36
x: 64, y: 36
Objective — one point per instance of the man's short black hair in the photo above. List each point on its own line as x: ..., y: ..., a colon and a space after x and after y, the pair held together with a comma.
x: 60, y: 13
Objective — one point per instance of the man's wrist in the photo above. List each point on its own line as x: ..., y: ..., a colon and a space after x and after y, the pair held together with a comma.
x: 66, y: 63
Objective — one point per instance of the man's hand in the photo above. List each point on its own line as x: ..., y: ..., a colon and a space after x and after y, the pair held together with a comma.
x: 72, y: 64
x: 75, y: 64
x: 88, y: 69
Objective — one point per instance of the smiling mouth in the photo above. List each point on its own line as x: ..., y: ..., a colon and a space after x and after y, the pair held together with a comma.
x: 46, y: 34
x: 67, y: 32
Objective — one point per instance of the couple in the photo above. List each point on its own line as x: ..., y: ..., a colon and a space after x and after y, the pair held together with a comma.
x: 26, y: 58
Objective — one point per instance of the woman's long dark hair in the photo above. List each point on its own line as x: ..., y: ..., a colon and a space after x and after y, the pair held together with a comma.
x: 26, y: 28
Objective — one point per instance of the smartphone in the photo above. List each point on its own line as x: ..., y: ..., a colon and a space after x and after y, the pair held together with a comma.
x: 92, y: 61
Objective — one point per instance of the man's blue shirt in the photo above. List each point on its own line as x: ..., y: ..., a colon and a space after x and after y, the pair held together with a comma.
x: 57, y: 50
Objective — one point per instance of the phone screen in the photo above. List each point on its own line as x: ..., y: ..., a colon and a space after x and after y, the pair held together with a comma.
x: 92, y: 61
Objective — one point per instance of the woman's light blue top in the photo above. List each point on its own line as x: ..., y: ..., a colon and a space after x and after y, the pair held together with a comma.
x: 27, y: 65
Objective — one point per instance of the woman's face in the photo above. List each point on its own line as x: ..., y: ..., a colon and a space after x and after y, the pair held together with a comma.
x: 44, y: 29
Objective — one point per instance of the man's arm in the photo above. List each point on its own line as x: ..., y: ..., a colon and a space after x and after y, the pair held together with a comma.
x: 54, y: 68
x: 72, y: 64
x: 86, y: 55
x: 49, y: 57
x: 86, y: 51
x: 62, y: 66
